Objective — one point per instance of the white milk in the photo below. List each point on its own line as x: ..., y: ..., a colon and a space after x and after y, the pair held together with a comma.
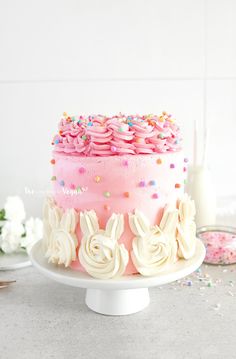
x: 201, y: 189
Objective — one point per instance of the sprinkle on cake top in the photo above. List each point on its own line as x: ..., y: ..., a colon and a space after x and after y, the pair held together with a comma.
x: 100, y: 135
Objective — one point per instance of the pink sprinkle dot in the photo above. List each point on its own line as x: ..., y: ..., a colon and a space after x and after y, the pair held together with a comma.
x: 125, y: 163
x: 142, y: 184
x: 82, y: 170
x: 184, y: 169
x: 106, y: 207
x: 155, y: 196
x: 172, y: 165
x: 72, y: 186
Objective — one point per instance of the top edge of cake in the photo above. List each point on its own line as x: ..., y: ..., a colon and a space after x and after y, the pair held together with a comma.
x: 100, y: 135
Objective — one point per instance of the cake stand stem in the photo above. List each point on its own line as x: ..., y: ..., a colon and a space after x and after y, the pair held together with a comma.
x: 117, y: 302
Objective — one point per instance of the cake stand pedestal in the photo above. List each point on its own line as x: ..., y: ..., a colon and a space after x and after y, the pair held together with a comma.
x: 122, y: 296
x: 117, y: 302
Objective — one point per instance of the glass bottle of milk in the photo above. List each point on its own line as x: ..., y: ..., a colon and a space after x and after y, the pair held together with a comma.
x: 201, y: 189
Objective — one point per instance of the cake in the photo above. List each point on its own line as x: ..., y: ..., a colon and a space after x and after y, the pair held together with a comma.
x: 118, y: 205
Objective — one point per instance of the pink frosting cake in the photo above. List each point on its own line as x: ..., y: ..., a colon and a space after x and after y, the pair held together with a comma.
x: 119, y: 206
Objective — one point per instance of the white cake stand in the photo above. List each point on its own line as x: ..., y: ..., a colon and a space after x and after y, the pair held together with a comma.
x: 126, y: 295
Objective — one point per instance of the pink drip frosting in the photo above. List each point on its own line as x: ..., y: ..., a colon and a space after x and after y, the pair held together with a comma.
x: 118, y: 135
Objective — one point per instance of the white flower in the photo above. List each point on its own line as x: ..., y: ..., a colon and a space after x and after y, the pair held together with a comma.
x: 100, y: 253
x: 186, y: 229
x: 14, y: 209
x: 154, y: 247
x: 34, y: 232
x: 11, y: 236
x: 59, y: 231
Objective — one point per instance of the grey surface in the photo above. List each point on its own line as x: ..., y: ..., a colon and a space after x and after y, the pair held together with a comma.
x: 42, y: 319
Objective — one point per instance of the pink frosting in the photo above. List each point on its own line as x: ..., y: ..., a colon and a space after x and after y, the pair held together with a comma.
x: 117, y: 135
x: 116, y: 184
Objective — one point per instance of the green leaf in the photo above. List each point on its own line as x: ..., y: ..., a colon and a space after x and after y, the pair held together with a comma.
x: 2, y: 215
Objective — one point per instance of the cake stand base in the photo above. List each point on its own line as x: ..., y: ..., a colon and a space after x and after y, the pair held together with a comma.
x: 121, y: 296
x: 117, y: 302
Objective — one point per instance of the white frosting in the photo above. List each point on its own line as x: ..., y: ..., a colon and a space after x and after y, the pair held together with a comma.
x: 48, y: 206
x: 100, y: 253
x: 62, y: 248
x: 168, y: 225
x: 154, y: 248
x: 59, y: 234
x: 186, y: 229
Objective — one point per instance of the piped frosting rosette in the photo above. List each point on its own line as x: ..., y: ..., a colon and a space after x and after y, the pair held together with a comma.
x: 100, y: 140
x: 154, y: 248
x: 167, y: 135
x: 60, y: 241
x: 100, y: 253
x: 71, y: 137
x: 122, y: 137
x: 117, y: 135
x: 143, y: 132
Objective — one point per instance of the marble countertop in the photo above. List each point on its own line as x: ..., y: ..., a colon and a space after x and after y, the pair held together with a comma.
x: 194, y: 318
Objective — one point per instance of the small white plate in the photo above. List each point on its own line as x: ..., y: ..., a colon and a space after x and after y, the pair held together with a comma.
x: 14, y: 261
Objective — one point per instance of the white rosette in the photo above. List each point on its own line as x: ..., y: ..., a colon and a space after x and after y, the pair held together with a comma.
x: 100, y: 253
x: 186, y: 229
x: 154, y: 247
x: 59, y: 234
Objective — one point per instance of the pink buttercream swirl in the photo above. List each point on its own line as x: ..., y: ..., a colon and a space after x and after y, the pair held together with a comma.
x: 118, y: 135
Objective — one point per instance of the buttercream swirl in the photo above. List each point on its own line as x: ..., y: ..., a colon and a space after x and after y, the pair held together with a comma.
x: 100, y: 253
x: 60, y: 241
x: 154, y: 247
x: 117, y: 135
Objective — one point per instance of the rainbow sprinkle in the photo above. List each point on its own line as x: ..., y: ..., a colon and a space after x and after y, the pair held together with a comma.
x: 82, y: 170
x: 142, y: 184
x: 152, y: 183
x: 97, y: 179
x: 155, y: 196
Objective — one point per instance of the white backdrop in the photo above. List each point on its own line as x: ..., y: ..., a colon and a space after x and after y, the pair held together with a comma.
x: 108, y: 56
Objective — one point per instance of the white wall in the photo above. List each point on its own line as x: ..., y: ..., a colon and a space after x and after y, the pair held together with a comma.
x: 108, y: 56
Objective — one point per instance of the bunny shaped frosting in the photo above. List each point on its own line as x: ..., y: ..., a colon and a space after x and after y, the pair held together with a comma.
x: 100, y: 253
x: 48, y: 208
x: 59, y: 233
x: 186, y: 229
x: 168, y: 226
x: 154, y: 247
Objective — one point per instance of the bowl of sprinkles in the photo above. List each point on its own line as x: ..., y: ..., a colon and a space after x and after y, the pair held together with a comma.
x: 220, y: 243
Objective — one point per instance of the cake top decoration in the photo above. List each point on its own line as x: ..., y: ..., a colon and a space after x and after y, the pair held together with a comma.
x: 99, y: 135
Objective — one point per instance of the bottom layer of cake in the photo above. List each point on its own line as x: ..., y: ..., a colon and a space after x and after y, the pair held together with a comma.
x: 75, y: 239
